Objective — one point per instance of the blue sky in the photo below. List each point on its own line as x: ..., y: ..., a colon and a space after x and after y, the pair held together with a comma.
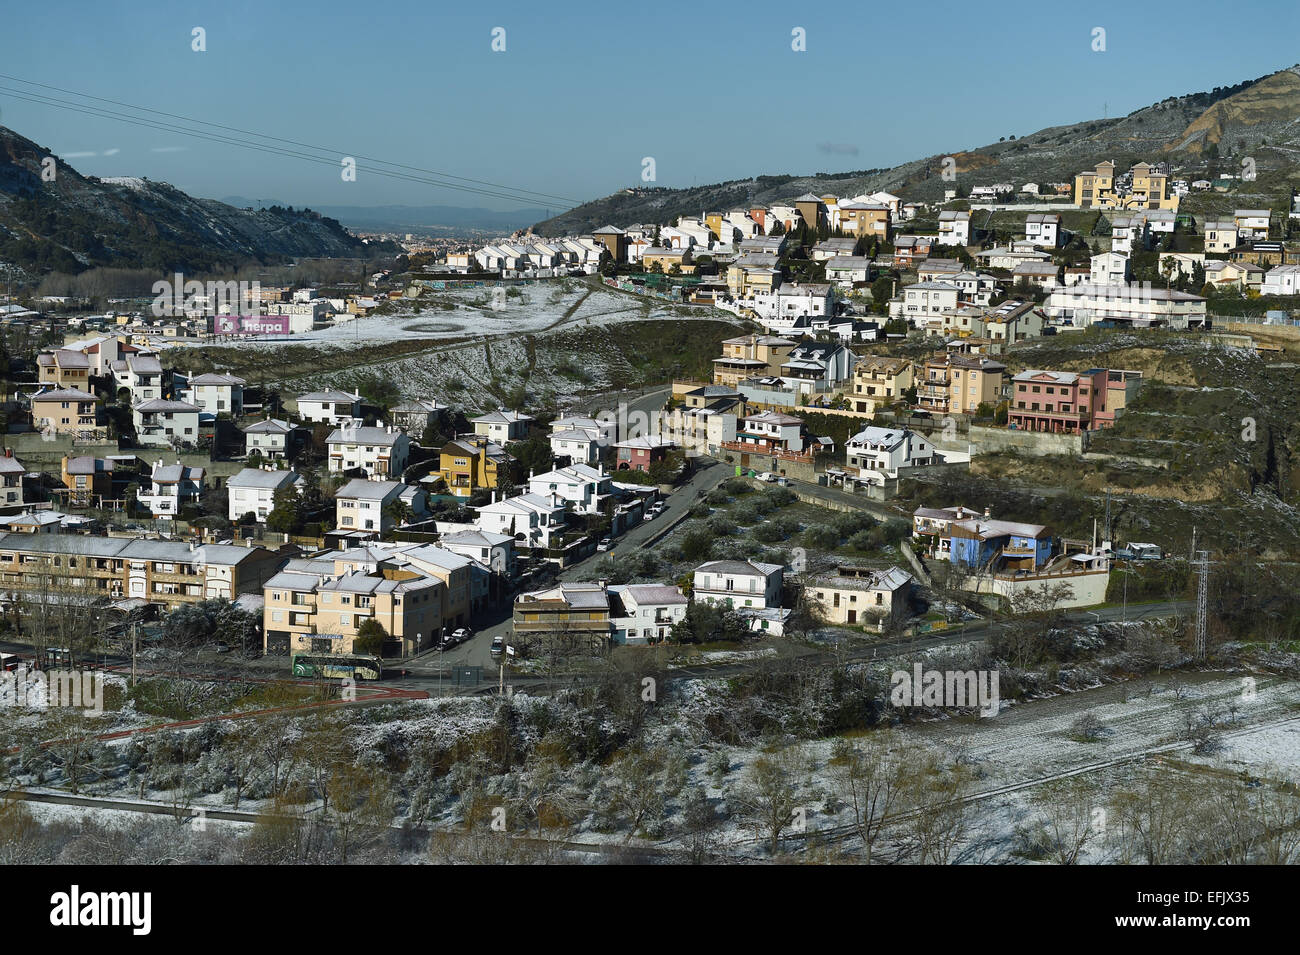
x: 584, y: 91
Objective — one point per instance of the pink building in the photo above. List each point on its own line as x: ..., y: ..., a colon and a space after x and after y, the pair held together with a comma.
x: 1065, y: 402
x: 637, y: 454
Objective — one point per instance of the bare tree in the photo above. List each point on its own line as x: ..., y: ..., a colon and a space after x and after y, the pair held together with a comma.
x: 768, y: 798
x: 870, y: 778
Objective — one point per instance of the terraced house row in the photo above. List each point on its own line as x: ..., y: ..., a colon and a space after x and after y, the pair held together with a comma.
x: 168, y: 573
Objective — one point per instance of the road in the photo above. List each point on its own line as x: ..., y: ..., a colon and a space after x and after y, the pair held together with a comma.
x: 424, y: 671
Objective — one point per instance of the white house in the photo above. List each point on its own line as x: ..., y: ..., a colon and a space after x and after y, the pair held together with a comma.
x: 362, y: 505
x: 11, y: 481
x: 820, y: 365
x: 880, y: 454
x: 159, y: 422
x: 641, y: 614
x: 171, y: 487
x: 216, y: 394
x: 845, y: 270
x: 1252, y: 224
x: 1282, y: 280
x: 1127, y: 232
x: 925, y: 299
x: 415, y: 415
x: 954, y: 228
x: 533, y: 520
x: 494, y: 551
x: 502, y: 426
x: 739, y: 584
x: 584, y: 487
x: 252, y: 491
x: 269, y: 438
x: 141, y: 374
x: 581, y: 439
x: 381, y: 452
x: 1110, y: 268
x: 1043, y: 229
x: 1130, y: 305
x: 329, y: 406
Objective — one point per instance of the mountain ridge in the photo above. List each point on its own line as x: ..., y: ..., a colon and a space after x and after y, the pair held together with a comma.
x: 75, y: 222
x: 1259, y: 113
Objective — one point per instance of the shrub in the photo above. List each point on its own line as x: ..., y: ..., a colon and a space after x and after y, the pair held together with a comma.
x: 821, y: 536
x: 697, y: 544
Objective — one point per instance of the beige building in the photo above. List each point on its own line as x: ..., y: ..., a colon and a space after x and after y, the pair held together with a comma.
x: 959, y: 384
x: 317, y: 612
x: 860, y: 596
x: 167, y: 573
x: 65, y: 411
x: 749, y: 355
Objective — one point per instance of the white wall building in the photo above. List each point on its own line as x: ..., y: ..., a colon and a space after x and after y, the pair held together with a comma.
x: 252, y: 491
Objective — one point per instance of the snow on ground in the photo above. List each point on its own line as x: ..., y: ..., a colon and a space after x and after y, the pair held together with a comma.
x: 473, y: 314
x: 1269, y: 751
x: 732, y: 656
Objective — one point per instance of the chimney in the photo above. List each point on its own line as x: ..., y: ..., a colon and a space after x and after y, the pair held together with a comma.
x: 987, y: 514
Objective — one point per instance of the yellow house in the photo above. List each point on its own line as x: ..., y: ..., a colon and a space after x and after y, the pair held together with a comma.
x: 1150, y: 189
x: 746, y: 281
x: 471, y: 462
x: 1095, y: 189
x: 713, y: 222
x: 880, y: 380
x: 64, y: 368
x: 666, y: 259
x: 865, y: 218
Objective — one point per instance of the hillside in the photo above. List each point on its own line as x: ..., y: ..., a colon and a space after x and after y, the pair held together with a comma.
x: 1194, y: 131
x: 78, y: 222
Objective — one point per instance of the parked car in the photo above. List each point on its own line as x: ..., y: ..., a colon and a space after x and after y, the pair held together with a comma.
x: 783, y: 481
x: 461, y: 634
x: 498, y: 645
x: 605, y: 544
x: 767, y: 476
x: 658, y: 507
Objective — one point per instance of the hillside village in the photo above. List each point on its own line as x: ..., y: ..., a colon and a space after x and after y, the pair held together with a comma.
x: 973, y: 426
x: 893, y: 325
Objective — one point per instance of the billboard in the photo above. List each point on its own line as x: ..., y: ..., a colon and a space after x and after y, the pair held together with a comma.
x: 250, y: 325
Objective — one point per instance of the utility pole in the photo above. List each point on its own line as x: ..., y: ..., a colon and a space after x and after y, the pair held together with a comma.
x: 1202, y: 601
x: 133, y: 643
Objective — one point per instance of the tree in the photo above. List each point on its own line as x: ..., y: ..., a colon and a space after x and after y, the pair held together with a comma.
x: 768, y: 799
x: 707, y: 622
x: 371, y: 637
x: 881, y: 290
x: 869, y: 778
x: 534, y: 454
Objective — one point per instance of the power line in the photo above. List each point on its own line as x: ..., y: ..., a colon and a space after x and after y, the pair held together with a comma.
x: 510, y: 192
x: 332, y: 162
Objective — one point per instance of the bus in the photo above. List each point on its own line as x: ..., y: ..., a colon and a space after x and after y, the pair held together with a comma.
x: 337, y: 666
